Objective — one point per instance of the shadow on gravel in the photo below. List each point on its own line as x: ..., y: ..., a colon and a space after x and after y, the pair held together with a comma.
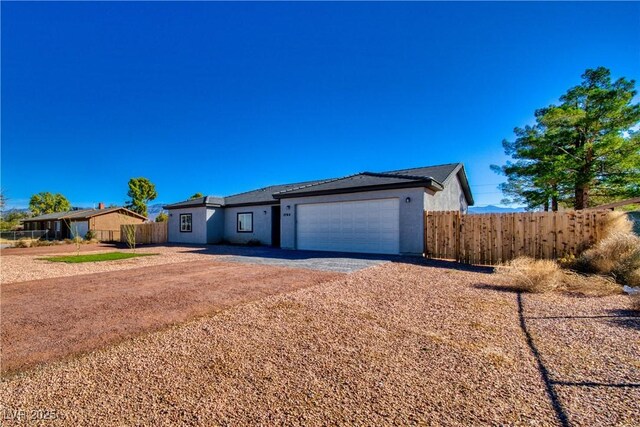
x: 544, y: 373
x: 498, y: 288
x: 623, y: 318
x: 261, y: 254
x: 626, y: 319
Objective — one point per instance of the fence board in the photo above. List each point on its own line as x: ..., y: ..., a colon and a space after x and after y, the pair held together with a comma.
x: 496, y: 238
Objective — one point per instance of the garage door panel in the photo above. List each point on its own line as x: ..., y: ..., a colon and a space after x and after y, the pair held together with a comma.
x: 371, y: 226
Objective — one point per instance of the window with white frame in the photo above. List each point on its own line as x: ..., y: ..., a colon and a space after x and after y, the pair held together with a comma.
x: 185, y: 223
x: 245, y: 222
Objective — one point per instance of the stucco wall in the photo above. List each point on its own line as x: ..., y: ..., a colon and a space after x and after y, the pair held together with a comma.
x: 261, y: 224
x: 215, y: 225
x: 198, y: 232
x: 411, y: 215
x: 450, y: 199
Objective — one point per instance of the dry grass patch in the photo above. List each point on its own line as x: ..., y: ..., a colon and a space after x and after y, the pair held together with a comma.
x: 617, y: 255
x: 589, y: 285
x: 530, y: 275
x: 617, y: 222
x: 538, y: 276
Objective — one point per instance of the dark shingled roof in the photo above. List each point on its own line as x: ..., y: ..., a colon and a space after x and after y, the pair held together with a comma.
x: 199, y: 201
x: 361, y: 181
x: 265, y: 194
x: 430, y: 176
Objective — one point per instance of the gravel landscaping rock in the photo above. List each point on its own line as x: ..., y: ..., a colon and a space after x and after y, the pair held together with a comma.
x: 25, y: 266
x: 392, y: 344
x: 44, y: 320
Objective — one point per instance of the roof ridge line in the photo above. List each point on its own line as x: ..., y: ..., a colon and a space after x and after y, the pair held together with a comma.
x: 269, y: 186
x: 397, y: 175
x: 424, y: 167
x: 317, y: 183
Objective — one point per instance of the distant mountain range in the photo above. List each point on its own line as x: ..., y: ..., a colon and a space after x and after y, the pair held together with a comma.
x: 493, y: 209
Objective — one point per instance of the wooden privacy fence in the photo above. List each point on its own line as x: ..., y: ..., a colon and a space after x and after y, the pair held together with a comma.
x: 496, y: 238
x: 150, y: 232
x: 107, y: 235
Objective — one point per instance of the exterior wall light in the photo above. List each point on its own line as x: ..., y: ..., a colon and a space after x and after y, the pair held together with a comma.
x: 408, y: 200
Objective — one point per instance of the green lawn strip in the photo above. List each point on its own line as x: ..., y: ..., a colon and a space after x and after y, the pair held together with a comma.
x: 109, y: 256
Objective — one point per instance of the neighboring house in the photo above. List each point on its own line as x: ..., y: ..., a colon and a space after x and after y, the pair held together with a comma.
x: 62, y: 225
x: 367, y: 212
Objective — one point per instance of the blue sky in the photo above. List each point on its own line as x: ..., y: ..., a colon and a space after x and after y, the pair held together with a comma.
x: 226, y: 97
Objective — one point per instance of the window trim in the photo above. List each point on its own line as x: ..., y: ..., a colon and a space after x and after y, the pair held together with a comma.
x: 238, y: 222
x: 190, y: 223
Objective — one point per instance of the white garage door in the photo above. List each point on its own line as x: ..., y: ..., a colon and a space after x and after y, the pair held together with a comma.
x: 370, y: 226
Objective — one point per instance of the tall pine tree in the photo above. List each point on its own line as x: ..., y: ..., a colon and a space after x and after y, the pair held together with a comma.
x: 583, y: 152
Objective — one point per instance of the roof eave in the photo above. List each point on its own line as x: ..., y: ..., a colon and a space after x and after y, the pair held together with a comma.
x: 432, y: 184
x: 199, y: 205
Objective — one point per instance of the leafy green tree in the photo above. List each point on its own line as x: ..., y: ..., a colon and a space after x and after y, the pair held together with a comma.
x: 196, y: 196
x: 582, y: 152
x: 162, y: 217
x: 46, y: 203
x: 11, y: 220
x: 141, y: 191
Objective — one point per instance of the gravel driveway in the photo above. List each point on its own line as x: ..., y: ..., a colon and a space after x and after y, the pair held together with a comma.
x: 23, y: 264
x: 44, y: 320
x: 312, y: 260
x: 392, y: 344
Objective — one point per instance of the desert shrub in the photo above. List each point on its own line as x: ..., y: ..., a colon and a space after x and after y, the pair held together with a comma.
x: 68, y: 241
x: 530, y: 275
x: 589, y: 285
x: 90, y: 235
x: 617, y: 222
x: 254, y: 242
x: 617, y: 255
x: 538, y: 276
x: 36, y: 243
x: 22, y: 243
x: 567, y: 261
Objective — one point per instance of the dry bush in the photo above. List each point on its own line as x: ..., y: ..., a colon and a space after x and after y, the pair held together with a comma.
x: 22, y: 243
x: 539, y: 276
x: 617, y: 222
x: 530, y: 275
x: 589, y: 285
x: 617, y: 255
x: 37, y: 243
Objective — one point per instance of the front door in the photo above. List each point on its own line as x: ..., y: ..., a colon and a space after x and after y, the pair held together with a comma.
x: 275, y: 226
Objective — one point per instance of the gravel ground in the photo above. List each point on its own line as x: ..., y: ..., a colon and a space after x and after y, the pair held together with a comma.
x: 22, y: 266
x: 392, y: 344
x: 591, y: 347
x: 45, y: 320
